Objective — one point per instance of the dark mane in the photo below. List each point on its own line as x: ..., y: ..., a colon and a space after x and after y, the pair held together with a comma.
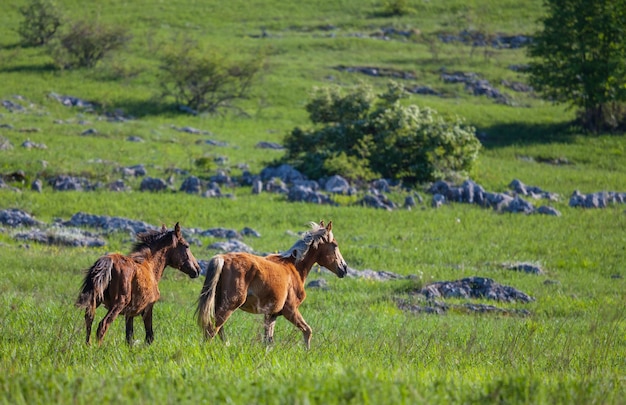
x: 149, y: 240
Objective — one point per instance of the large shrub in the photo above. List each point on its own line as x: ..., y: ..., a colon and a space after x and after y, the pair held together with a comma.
x: 86, y: 42
x: 204, y: 80
x: 361, y: 140
x: 41, y: 20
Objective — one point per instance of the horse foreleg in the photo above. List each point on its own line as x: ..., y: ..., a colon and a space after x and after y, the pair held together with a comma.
x: 296, y: 318
x: 147, y: 322
x: 129, y: 329
x: 270, y: 322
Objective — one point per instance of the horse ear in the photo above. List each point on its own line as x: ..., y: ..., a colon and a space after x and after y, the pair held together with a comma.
x: 163, y: 228
x: 177, y: 229
x: 330, y: 226
x: 322, y: 223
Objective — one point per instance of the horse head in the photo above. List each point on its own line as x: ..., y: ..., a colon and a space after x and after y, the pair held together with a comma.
x: 181, y: 257
x: 328, y: 254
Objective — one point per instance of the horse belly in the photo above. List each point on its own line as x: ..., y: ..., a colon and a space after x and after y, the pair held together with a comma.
x: 262, y: 305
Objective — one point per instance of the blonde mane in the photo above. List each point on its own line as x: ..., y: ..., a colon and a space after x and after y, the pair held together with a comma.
x: 311, y: 239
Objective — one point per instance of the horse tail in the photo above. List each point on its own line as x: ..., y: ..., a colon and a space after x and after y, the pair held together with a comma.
x: 206, y: 302
x: 96, y: 281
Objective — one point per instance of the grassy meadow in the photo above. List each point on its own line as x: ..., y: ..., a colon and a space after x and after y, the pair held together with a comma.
x: 569, y: 348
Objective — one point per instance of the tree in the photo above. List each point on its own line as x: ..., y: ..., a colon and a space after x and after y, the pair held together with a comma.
x: 579, y: 58
x: 362, y: 137
x: 42, y: 18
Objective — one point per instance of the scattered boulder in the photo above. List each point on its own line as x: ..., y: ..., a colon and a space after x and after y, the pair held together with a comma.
x: 28, y: 144
x: 379, y: 201
x: 71, y: 101
x: 231, y: 245
x: 220, y: 233
x: 374, y: 275
x: 600, y: 199
x: 474, y: 287
x: 37, y: 186
x: 318, y: 283
x: 284, y: 172
x: 118, y: 186
x: 153, y: 184
x: 14, y: 217
x: 529, y: 268
x: 191, y: 185
x: 5, y: 144
x: 472, y: 193
x: 302, y: 193
x: 134, y: 171
x: 269, y: 145
x: 440, y: 308
x: 107, y: 223
x: 337, y: 185
x: 69, y: 183
x: 62, y: 237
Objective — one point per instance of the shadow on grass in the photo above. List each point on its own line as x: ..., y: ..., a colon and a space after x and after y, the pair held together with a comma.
x: 147, y: 108
x: 40, y: 68
x: 523, y: 134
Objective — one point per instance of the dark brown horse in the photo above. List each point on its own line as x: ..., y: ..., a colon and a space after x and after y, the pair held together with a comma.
x: 129, y: 284
x: 272, y: 285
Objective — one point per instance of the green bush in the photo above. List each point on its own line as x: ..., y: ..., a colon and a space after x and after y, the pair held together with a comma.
x: 42, y: 18
x: 86, y: 43
x: 361, y: 140
x: 205, y: 81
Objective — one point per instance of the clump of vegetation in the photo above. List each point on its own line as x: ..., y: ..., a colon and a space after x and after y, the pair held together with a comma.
x: 42, y: 19
x: 86, y: 43
x: 362, y: 136
x: 205, y: 81
x: 580, y: 59
x: 396, y: 8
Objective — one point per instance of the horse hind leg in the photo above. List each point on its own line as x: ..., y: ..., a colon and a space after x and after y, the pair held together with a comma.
x: 90, y: 314
x: 147, y: 322
x: 130, y: 329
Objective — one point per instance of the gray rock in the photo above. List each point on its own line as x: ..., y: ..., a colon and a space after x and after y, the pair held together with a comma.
x: 14, y: 217
x: 153, y: 184
x: 231, y: 246
x: 191, y: 185
x: 474, y: 287
x: 337, y: 185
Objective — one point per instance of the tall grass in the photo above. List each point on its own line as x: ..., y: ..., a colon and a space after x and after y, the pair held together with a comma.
x: 569, y: 348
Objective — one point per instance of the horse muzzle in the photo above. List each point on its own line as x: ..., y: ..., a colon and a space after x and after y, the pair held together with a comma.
x: 342, y: 270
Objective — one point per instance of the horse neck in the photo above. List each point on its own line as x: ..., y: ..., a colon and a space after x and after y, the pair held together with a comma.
x: 306, y: 264
x: 157, y: 262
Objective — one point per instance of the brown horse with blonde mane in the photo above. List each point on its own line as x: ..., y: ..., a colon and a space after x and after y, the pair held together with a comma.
x: 272, y: 285
x: 129, y: 284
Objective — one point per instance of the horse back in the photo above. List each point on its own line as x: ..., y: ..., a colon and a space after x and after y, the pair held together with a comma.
x: 263, y: 284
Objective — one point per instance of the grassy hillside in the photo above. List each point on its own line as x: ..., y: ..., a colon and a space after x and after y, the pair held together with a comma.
x: 568, y: 348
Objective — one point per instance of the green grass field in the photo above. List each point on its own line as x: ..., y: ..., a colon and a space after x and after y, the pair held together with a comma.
x: 570, y: 349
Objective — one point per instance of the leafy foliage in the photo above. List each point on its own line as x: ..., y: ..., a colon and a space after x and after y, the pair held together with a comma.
x: 86, y: 43
x: 205, y: 81
x: 580, y: 59
x: 41, y: 20
x: 361, y: 141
